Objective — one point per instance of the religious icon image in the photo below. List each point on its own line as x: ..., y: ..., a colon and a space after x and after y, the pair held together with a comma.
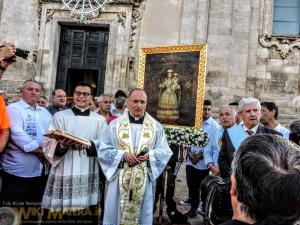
x: 169, y: 98
x: 174, y: 78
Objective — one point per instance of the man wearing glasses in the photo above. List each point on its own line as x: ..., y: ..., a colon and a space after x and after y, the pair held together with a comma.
x: 140, y: 154
x: 73, y: 184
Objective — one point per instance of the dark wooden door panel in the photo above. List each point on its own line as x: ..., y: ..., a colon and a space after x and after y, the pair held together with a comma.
x: 83, y: 51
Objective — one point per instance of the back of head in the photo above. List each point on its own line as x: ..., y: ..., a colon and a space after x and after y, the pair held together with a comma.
x: 248, y: 101
x: 267, y: 173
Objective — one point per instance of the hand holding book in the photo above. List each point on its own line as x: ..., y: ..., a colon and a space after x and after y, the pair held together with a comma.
x: 66, y: 139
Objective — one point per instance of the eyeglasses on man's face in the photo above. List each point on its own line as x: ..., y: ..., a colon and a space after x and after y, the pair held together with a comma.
x: 84, y: 94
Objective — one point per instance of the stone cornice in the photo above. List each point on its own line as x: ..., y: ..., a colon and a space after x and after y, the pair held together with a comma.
x: 117, y: 2
x: 283, y: 44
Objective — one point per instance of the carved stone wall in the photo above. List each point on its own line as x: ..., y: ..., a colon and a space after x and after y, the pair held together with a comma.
x: 278, y: 62
x: 19, y: 24
x: 123, y: 19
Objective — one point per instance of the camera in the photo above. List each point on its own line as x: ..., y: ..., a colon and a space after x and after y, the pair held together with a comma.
x: 19, y: 52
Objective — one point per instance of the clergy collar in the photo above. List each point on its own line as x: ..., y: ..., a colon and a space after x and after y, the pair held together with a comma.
x: 80, y: 112
x: 136, y: 120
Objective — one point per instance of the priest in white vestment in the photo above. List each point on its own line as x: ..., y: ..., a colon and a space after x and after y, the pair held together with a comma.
x: 130, y: 174
x: 73, y: 184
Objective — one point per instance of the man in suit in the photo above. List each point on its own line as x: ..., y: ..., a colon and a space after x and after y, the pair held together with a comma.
x: 250, y: 111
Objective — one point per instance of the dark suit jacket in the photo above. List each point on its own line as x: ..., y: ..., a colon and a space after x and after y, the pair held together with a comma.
x: 227, y: 149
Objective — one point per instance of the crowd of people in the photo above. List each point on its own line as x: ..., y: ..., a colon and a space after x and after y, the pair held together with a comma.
x: 114, y: 177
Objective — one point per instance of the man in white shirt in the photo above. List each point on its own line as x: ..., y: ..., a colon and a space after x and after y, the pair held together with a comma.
x: 23, y: 160
x: 196, y: 169
x: 269, y: 118
x: 72, y: 188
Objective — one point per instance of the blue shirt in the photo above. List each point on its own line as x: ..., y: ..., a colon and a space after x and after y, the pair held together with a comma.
x: 210, y: 126
x: 27, y: 128
x: 212, y: 150
x: 284, y: 131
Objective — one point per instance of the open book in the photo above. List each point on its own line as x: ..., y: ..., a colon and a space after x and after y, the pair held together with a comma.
x: 60, y: 133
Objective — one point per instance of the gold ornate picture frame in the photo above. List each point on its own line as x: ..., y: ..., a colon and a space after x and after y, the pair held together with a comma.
x: 174, y: 79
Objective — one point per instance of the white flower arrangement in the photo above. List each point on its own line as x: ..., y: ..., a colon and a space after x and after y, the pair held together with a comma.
x: 187, y: 136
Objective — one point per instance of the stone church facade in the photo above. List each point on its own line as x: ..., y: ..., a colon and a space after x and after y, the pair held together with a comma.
x: 245, y: 58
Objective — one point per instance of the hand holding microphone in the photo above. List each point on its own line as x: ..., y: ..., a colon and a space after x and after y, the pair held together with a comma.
x: 135, y: 159
x: 143, y: 155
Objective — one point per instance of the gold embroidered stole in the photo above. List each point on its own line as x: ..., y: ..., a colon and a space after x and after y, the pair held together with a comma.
x: 133, y: 180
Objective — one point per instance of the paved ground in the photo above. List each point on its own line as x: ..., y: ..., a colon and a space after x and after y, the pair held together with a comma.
x: 181, y: 192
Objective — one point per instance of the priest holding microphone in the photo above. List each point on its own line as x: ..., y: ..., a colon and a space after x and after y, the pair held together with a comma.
x: 139, y: 155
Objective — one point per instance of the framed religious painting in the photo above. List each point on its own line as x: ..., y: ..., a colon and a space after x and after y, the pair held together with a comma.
x: 174, y: 79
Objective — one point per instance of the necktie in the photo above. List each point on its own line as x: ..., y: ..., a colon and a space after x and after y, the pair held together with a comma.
x: 250, y: 132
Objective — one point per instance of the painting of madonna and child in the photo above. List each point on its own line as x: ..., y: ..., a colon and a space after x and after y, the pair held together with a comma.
x: 174, y: 79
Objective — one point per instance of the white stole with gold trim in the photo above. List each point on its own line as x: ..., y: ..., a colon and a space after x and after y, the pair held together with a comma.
x: 133, y: 180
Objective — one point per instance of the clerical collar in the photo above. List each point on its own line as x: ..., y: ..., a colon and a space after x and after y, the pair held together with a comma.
x: 136, y: 120
x: 80, y: 112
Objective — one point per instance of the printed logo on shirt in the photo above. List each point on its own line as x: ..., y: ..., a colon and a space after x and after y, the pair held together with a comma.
x: 30, y: 127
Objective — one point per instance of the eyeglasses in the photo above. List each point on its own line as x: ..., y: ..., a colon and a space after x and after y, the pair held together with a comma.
x: 84, y: 94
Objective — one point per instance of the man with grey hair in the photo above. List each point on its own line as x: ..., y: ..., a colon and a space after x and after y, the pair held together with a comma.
x: 250, y: 112
x: 227, y: 117
x: 104, y: 101
x: 272, y: 195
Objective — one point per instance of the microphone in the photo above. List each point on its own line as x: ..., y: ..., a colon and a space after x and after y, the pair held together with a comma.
x: 143, y: 152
